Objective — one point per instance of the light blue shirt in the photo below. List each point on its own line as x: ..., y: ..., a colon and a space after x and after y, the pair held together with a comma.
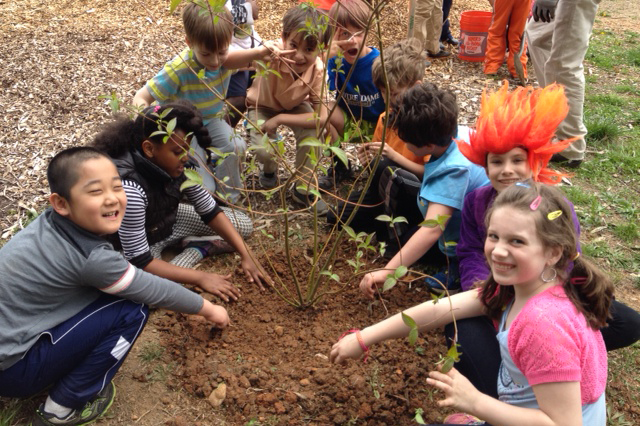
x: 447, y: 180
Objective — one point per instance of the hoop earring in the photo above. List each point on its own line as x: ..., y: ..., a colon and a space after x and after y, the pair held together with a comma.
x: 553, y: 276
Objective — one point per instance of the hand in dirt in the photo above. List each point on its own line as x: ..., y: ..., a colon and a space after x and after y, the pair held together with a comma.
x: 387, y: 151
x: 255, y: 272
x: 458, y: 390
x: 215, y: 314
x: 363, y: 154
x: 218, y: 286
x: 368, y: 285
x: 345, y: 348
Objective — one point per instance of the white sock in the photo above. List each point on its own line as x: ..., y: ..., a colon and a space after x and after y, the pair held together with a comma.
x: 52, y: 407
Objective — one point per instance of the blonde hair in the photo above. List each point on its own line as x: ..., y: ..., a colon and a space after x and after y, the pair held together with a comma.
x: 404, y: 63
x: 207, y: 28
x: 354, y: 13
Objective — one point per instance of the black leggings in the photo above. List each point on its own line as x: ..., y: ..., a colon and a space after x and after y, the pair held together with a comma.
x: 480, y: 359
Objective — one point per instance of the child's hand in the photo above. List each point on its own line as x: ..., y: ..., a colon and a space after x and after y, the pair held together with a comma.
x: 387, y: 151
x: 363, y: 154
x: 270, y: 126
x: 215, y: 314
x: 275, y: 52
x: 255, y: 272
x: 369, y: 282
x: 459, y: 391
x: 218, y: 286
x: 345, y: 348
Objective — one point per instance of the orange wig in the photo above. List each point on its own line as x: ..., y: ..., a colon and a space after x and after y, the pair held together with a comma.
x: 524, y: 118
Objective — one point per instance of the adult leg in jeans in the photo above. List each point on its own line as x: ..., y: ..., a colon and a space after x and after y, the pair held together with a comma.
x: 80, y: 356
x: 227, y: 170
x: 445, y: 34
x: 480, y: 359
x: 623, y: 329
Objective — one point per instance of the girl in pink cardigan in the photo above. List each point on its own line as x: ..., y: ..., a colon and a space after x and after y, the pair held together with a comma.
x: 554, y: 362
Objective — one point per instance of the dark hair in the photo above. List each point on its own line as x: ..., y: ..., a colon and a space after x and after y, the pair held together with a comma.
x: 63, y: 169
x: 355, y: 13
x: 209, y: 28
x: 125, y: 134
x: 426, y: 115
x: 311, y: 22
x: 404, y: 63
x: 592, y: 291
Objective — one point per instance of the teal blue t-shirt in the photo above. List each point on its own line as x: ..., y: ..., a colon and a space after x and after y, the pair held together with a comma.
x: 447, y: 180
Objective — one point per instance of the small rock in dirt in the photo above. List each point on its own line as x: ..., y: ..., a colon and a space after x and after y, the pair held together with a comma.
x: 279, y: 330
x: 254, y: 380
x: 266, y: 398
x: 399, y: 372
x: 290, y: 397
x: 165, y: 400
x: 340, y: 418
x: 244, y: 382
x: 218, y: 395
x: 365, y: 411
x: 177, y: 421
x: 305, y: 382
x: 280, y: 409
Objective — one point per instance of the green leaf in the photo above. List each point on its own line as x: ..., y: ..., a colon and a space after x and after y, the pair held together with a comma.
x: 450, y: 244
x: 350, y: 232
x: 418, y: 417
x: 400, y: 271
x: 334, y: 277
x: 413, y: 336
x: 389, y: 283
x: 173, y: 5
x: 193, y: 175
x: 188, y: 184
x: 399, y: 219
x: 201, y: 73
x: 447, y: 365
x: 266, y: 234
x: 158, y: 133
x: 216, y: 151
x: 408, y: 321
x: 311, y: 141
x: 171, y: 125
x: 429, y: 223
x: 315, y: 192
x: 453, y: 352
x: 384, y: 218
x: 342, y: 156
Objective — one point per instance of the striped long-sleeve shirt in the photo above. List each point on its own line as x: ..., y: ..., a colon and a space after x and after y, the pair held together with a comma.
x: 132, y: 231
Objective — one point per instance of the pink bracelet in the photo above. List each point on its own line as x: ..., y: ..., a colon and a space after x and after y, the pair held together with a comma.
x: 364, y: 347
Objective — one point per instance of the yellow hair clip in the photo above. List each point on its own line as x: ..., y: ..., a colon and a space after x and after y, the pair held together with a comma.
x: 554, y: 215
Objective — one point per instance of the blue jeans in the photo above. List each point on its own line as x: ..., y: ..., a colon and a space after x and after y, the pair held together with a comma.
x: 80, y: 356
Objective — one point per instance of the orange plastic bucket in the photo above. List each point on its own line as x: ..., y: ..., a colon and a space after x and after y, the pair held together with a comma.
x: 474, y: 28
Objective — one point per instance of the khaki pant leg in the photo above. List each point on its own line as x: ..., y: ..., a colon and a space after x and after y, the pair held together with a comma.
x: 264, y: 152
x: 428, y: 24
x: 303, y: 164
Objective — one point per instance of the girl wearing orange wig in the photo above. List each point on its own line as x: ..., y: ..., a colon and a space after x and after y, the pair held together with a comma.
x: 513, y: 140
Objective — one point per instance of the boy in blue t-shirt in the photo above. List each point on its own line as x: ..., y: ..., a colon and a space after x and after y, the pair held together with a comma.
x: 426, y: 119
x: 359, y: 101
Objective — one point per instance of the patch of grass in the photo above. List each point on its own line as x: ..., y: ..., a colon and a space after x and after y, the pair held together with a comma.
x: 628, y: 89
x: 633, y: 56
x: 151, y: 352
x: 9, y: 411
x: 627, y: 232
x: 608, y: 50
x: 601, y: 130
x: 608, y: 99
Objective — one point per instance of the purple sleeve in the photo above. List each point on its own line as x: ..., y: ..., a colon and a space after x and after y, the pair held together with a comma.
x: 470, y: 248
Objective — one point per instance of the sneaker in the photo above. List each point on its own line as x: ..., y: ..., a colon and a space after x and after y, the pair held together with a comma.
x: 308, y: 200
x: 452, y: 41
x: 336, y: 174
x: 564, y: 161
x: 452, y: 281
x: 208, y: 245
x: 463, y: 419
x: 92, y: 410
x: 268, y: 182
x: 440, y: 55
